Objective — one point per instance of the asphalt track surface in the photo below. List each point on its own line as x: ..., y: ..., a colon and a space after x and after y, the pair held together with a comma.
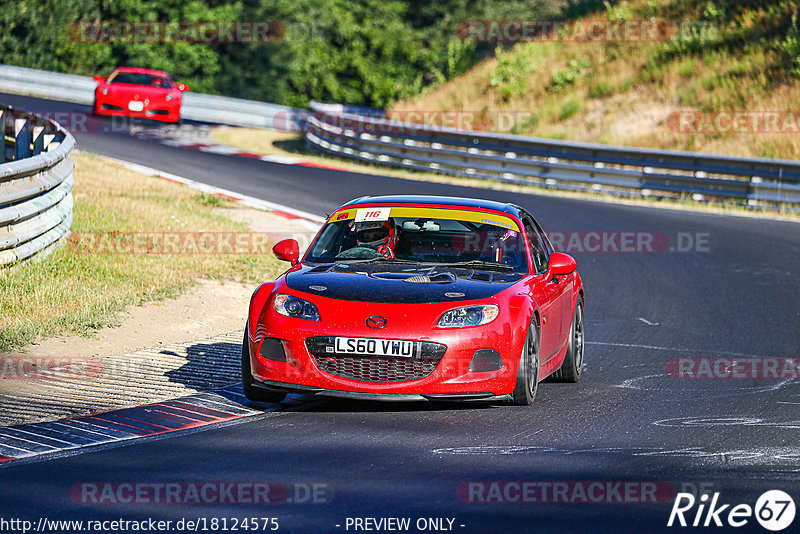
x: 627, y: 420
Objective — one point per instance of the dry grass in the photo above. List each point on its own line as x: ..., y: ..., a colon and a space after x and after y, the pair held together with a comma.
x: 74, y: 290
x: 624, y: 93
x: 260, y: 141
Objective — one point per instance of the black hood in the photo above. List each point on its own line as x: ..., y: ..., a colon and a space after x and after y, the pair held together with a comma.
x: 399, y: 284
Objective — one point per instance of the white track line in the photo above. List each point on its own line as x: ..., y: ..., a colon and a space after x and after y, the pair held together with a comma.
x: 674, y: 349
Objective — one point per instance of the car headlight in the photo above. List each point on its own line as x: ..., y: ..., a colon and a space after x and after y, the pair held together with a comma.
x: 169, y: 97
x: 105, y: 90
x: 469, y: 316
x: 295, y: 307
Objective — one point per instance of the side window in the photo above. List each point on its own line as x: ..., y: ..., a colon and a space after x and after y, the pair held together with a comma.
x: 544, y: 239
x: 539, y: 250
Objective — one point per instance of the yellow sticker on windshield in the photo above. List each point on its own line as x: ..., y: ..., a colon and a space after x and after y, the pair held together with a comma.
x: 383, y: 213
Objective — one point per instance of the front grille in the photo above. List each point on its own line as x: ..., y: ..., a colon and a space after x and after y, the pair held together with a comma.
x: 375, y: 368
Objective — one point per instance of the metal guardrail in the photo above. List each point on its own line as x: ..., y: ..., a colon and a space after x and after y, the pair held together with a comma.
x: 550, y: 163
x: 195, y: 106
x: 35, y: 184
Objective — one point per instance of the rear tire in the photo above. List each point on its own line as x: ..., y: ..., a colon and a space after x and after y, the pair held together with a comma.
x: 528, y: 373
x: 570, y: 370
x: 250, y: 391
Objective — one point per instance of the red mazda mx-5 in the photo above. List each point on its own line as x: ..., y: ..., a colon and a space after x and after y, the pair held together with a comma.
x: 146, y: 93
x: 415, y: 297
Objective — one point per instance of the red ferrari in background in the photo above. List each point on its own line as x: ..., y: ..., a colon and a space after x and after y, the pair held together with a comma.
x: 133, y: 92
x: 413, y: 297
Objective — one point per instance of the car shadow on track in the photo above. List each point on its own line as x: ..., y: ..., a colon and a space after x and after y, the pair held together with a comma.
x: 208, y: 366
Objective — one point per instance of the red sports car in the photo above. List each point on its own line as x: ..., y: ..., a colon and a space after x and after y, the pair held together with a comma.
x: 146, y: 93
x: 415, y: 297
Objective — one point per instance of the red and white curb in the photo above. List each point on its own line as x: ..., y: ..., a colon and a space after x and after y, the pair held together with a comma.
x: 69, y: 436
x: 304, y: 218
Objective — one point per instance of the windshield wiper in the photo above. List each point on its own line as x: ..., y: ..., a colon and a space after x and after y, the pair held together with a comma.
x: 478, y: 264
x: 379, y: 259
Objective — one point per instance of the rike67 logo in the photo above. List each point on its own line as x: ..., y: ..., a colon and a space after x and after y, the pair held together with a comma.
x: 774, y: 510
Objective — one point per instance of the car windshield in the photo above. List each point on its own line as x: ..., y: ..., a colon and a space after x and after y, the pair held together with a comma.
x: 138, y: 78
x: 458, y: 238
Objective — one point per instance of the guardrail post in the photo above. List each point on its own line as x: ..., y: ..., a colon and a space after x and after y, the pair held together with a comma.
x: 46, y: 140
x: 38, y: 140
x: 2, y: 136
x: 22, y: 139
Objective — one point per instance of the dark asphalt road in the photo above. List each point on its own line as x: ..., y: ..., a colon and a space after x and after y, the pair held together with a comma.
x: 628, y: 420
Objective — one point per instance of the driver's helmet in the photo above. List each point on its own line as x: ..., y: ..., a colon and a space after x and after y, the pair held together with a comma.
x: 377, y: 235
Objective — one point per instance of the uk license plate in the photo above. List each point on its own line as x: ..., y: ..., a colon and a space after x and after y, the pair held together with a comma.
x: 376, y: 347
x: 135, y: 105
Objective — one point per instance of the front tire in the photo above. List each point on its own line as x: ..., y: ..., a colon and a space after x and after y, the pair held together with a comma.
x: 250, y: 391
x: 570, y: 370
x: 528, y: 373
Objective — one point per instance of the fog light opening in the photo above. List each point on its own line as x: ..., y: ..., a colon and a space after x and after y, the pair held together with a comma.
x: 486, y: 360
x: 272, y: 349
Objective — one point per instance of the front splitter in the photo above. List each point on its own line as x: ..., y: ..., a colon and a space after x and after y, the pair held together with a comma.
x: 390, y: 397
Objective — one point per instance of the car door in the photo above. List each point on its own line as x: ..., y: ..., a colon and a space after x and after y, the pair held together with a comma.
x: 561, y: 288
x: 545, y: 293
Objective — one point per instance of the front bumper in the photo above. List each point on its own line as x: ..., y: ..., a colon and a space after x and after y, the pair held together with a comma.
x: 451, y: 378
x: 159, y: 112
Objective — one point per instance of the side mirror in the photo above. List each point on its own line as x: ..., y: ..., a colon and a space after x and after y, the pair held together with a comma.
x: 182, y: 87
x: 288, y: 250
x: 561, y: 264
x: 98, y: 78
